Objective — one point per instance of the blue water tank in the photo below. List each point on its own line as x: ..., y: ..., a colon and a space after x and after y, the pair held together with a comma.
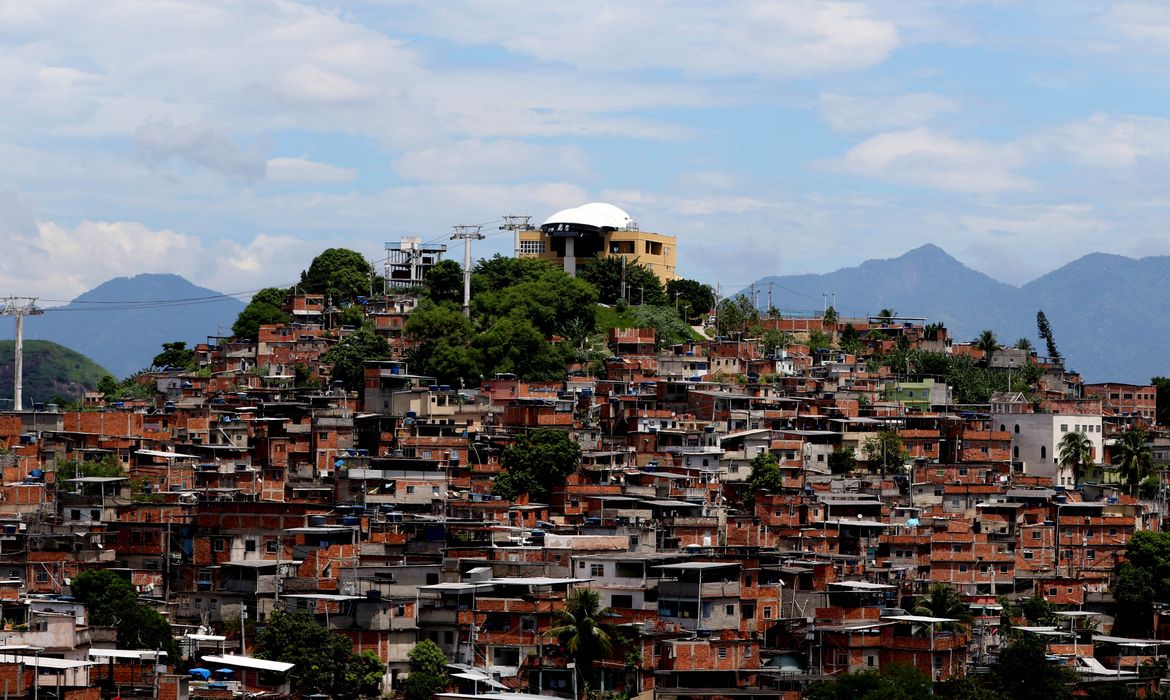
x: 350, y: 521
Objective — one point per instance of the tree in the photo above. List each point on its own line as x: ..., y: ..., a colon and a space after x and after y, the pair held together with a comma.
x: 885, y: 448
x: 444, y: 281
x: 850, y: 340
x: 513, y: 344
x: 535, y: 462
x: 1134, y: 457
x: 1024, y: 344
x: 829, y: 319
x: 263, y: 309
x: 363, y: 676
x: 1162, y: 398
x: 1044, y: 330
x: 428, y: 671
x: 174, y: 356
x: 842, y: 460
x: 773, y: 341
x: 607, y: 274
x: 1075, y: 452
x: 693, y: 299
x: 819, y: 340
x: 442, y: 342
x: 583, y: 628
x: 338, y: 273
x: 111, y: 601
x: 324, y: 661
x: 1024, y: 672
x: 944, y: 601
x: 886, y: 316
x: 348, y: 357
x: 765, y: 475
x: 988, y: 344
x: 736, y: 315
x: 892, y: 682
x: 499, y: 272
x: 669, y: 329
x: 1144, y: 577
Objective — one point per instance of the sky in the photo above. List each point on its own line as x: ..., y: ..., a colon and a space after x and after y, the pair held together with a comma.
x: 230, y: 142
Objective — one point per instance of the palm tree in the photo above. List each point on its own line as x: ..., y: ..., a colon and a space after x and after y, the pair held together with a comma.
x: 988, y: 344
x: 1024, y: 344
x: 944, y: 601
x: 886, y: 316
x: 1134, y: 458
x: 584, y: 630
x: 1076, y: 453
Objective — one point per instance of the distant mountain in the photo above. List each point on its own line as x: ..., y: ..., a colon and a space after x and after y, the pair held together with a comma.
x: 123, y: 322
x: 49, y: 370
x: 1105, y: 310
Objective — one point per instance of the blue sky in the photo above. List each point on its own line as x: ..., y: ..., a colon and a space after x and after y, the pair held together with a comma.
x: 230, y: 142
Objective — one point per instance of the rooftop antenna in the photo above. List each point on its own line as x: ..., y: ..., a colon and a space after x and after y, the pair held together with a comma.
x: 19, y: 307
x: 515, y: 223
x: 466, y: 233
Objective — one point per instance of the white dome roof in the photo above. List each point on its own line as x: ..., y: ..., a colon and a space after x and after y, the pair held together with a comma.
x: 597, y: 214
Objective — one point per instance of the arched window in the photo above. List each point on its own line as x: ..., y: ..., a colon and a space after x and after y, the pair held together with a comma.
x: 1017, y: 428
x: 1043, y: 452
x: 1002, y: 427
x: 1016, y: 452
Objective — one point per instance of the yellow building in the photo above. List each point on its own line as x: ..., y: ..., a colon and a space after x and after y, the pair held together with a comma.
x: 597, y: 230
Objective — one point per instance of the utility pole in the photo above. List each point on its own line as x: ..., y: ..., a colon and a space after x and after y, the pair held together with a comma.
x: 466, y: 233
x: 516, y: 224
x: 770, y: 304
x: 19, y: 307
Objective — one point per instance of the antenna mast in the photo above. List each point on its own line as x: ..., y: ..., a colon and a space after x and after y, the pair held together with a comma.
x: 19, y: 307
x: 466, y: 233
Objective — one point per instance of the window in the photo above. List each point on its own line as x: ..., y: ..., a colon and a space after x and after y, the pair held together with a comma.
x: 532, y: 247
x: 1090, y: 554
x: 1064, y: 427
x: 1003, y: 568
x: 448, y: 637
x: 410, y: 489
x: 270, y: 546
x: 217, y: 545
x: 597, y: 570
x: 767, y: 612
x: 621, y: 601
x: 962, y: 568
x: 722, y: 653
x: 1036, y: 534
x: 249, y: 545
x: 747, y: 652
x: 42, y: 576
x: 1043, y: 452
x: 1017, y: 427
x: 1051, y: 591
x: 580, y: 565
x: 1027, y: 555
x: 729, y: 609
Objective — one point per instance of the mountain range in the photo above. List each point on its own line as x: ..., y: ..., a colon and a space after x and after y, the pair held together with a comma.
x: 49, y: 371
x: 122, y: 323
x: 1106, y: 311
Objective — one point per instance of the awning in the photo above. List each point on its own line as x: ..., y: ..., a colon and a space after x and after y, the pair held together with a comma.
x: 249, y: 662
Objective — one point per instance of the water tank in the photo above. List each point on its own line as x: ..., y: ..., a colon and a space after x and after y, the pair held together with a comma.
x: 316, y: 521
x: 351, y: 521
x: 373, y: 594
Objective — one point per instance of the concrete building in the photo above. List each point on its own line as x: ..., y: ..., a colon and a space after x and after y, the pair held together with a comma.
x: 408, y: 262
x: 596, y: 230
x: 1036, y: 441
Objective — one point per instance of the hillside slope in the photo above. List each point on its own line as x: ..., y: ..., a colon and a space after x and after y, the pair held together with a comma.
x: 50, y: 370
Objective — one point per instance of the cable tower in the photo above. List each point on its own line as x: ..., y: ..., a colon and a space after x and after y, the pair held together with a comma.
x: 467, y: 233
x: 516, y: 224
x: 19, y: 307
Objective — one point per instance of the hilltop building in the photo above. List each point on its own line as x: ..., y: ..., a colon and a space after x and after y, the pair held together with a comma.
x: 577, y: 235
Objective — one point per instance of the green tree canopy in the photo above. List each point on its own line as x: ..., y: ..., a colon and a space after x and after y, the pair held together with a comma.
x: 669, y: 329
x: 324, y: 661
x: 442, y: 337
x: 499, y: 272
x: 886, y: 450
x: 737, y: 315
x: 1162, y: 398
x: 606, y: 275
x: 428, y: 671
x: 444, y: 281
x: 693, y: 299
x: 263, y: 309
x: 1023, y: 671
x: 1075, y: 452
x: 535, y: 462
x: 842, y: 460
x: 174, y: 355
x: 338, y: 273
x: 944, y: 601
x: 1134, y: 457
x: 988, y: 343
x: 348, y: 357
x: 111, y: 601
x: 1044, y: 330
x: 892, y: 682
x: 1144, y: 577
x: 584, y: 629
x: 765, y: 475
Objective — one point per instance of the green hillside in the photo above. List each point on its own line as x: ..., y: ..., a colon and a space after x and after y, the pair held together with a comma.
x: 50, y: 370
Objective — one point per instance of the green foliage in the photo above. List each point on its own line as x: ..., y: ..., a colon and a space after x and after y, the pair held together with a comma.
x: 944, y: 601
x: 49, y: 370
x: 1044, y: 330
x: 582, y: 627
x: 442, y: 335
x: 735, y: 316
x: 263, y: 309
x: 550, y: 302
x: 773, y: 341
x: 1162, y: 398
x: 1133, y: 457
x: 988, y: 344
x: 669, y: 329
x: 175, y: 355
x: 842, y: 460
x: 830, y: 318
x: 348, y: 357
x: 886, y: 448
x: 71, y: 469
x: 423, y: 686
x: 892, y: 682
x: 338, y: 273
x: 971, y: 382
x: 606, y: 275
x: 513, y: 344
x: 819, y: 340
x: 444, y: 281
x: 1037, y: 610
x: 1024, y: 673
x: 427, y: 657
x: 694, y: 300
x: 1144, y: 577
x: 765, y: 475
x: 111, y: 601
x: 535, y: 462
x: 850, y: 340
x: 1024, y: 344
x: 324, y: 661
x: 499, y: 272
x: 1075, y: 451
x: 128, y: 388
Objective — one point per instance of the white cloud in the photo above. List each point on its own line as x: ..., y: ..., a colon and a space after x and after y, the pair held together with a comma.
x: 851, y: 113
x: 207, y: 145
x: 1109, y: 141
x: 476, y: 160
x: 925, y: 158
x: 303, y: 170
